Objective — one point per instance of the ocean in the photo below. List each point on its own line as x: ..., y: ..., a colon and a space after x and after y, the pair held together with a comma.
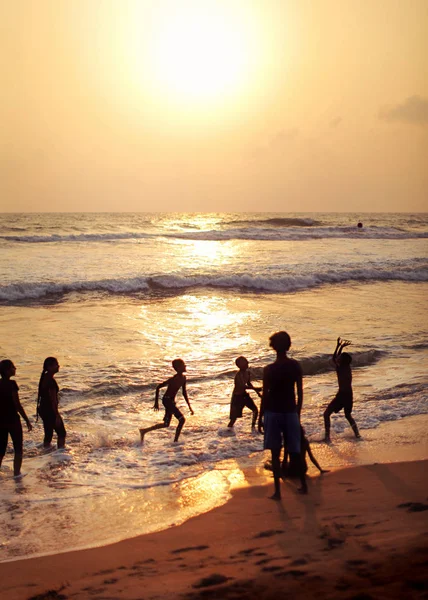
x: 116, y: 297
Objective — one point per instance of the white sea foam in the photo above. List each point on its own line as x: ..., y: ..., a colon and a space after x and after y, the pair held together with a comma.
x: 406, y: 271
x: 267, y: 230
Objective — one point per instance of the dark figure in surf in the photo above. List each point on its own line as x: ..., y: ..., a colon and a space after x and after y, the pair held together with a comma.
x: 173, y: 384
x: 10, y: 409
x: 48, y: 404
x: 240, y: 396
x: 344, y: 397
x: 279, y: 413
x: 292, y: 469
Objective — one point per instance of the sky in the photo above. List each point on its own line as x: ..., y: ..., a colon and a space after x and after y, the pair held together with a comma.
x: 214, y: 105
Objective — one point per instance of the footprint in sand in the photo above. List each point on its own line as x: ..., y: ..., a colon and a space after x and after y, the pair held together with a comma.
x: 214, y: 579
x: 245, y: 552
x: 413, y: 506
x: 188, y: 549
x: 268, y: 533
x: 226, y: 432
x: 299, y: 562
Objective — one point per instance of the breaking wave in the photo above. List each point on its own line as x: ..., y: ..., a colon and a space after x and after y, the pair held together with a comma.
x: 279, y: 222
x: 268, y: 230
x: 21, y: 291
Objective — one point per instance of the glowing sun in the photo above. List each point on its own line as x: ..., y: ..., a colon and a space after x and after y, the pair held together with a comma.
x: 198, y: 52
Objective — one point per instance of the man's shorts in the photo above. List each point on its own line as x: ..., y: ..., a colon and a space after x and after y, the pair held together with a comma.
x: 170, y: 410
x: 238, y: 402
x: 342, y: 400
x: 282, y: 425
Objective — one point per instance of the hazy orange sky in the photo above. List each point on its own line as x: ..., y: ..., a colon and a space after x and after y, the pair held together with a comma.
x: 213, y: 105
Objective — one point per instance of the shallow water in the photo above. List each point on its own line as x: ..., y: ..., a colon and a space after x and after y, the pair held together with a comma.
x: 117, y: 297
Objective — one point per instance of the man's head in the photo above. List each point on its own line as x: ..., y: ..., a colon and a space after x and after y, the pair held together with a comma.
x: 280, y: 341
x: 241, y: 362
x: 179, y: 365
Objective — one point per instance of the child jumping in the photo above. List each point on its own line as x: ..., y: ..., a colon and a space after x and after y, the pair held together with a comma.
x: 240, y: 396
x: 344, y: 397
x: 173, y: 384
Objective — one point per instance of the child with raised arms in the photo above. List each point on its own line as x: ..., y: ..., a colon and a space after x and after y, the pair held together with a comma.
x: 344, y: 397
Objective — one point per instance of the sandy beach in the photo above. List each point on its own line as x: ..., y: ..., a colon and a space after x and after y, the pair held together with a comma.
x: 361, y: 533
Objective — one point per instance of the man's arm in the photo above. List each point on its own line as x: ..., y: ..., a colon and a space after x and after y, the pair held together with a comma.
x: 341, y: 344
x: 21, y: 410
x: 161, y: 385
x: 250, y: 386
x: 337, y: 351
x: 265, y: 389
x: 184, y: 389
x: 299, y: 385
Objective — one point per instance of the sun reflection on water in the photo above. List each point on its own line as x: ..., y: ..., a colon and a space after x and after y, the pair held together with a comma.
x: 212, y: 487
x: 195, y: 325
x: 195, y: 254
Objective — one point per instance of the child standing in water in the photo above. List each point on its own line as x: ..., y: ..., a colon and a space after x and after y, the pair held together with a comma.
x: 47, y: 404
x: 10, y: 409
x: 279, y: 411
x: 173, y: 384
x: 344, y: 397
x: 240, y: 396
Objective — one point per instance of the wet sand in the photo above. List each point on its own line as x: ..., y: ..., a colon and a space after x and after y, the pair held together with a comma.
x: 361, y: 533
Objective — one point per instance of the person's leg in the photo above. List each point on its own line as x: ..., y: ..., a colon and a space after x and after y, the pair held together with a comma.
x: 48, y: 426
x: 166, y: 423
x: 152, y: 428
x: 276, y: 468
x: 292, y: 437
x: 255, y: 415
x: 352, y: 423
x: 284, y: 464
x: 298, y: 460
x: 60, y: 431
x: 328, y: 411
x: 16, y: 435
x: 181, y: 422
x: 249, y: 403
x: 273, y: 442
x: 236, y: 406
x: 3, y: 443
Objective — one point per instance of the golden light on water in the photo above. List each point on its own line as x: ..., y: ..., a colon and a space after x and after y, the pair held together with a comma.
x: 214, y: 252
x: 212, y: 487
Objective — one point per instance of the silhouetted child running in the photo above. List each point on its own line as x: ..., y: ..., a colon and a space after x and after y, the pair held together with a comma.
x: 240, y: 396
x: 173, y: 384
x: 344, y: 397
x: 290, y: 468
